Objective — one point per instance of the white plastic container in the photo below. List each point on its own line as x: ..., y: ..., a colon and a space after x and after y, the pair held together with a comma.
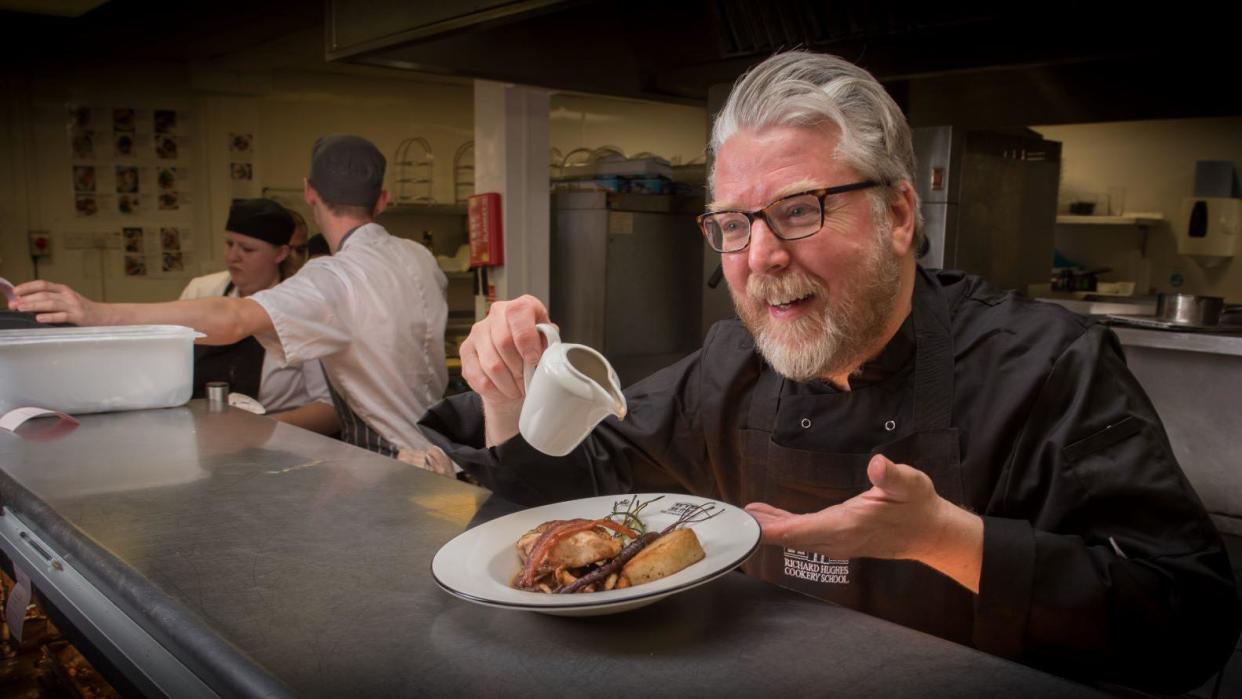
x: 95, y: 370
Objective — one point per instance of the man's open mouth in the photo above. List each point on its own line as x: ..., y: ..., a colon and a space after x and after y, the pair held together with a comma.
x: 790, y: 303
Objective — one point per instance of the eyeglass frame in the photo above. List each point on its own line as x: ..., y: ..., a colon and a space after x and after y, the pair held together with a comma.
x: 821, y: 194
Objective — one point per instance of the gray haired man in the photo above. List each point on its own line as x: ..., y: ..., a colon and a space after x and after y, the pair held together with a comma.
x: 967, y: 462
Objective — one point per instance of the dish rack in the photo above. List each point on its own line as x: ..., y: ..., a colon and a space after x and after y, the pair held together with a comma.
x: 415, y: 171
x: 463, y: 172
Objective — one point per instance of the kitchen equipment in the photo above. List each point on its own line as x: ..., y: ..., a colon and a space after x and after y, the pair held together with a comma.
x: 1188, y: 309
x: 1077, y: 278
x: 626, y: 277
x: 93, y: 370
x: 989, y: 202
x: 1210, y: 223
x: 567, y: 395
x: 1208, y: 229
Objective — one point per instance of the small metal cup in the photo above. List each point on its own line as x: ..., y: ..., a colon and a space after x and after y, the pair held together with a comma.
x: 217, y: 395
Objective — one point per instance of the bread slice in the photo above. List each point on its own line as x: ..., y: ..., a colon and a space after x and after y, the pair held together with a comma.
x: 665, y: 556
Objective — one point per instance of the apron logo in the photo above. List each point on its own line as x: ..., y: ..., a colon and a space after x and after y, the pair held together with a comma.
x: 816, y: 568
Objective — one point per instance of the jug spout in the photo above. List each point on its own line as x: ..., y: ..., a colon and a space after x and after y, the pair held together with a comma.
x: 615, y: 396
x: 619, y: 407
x: 609, y: 401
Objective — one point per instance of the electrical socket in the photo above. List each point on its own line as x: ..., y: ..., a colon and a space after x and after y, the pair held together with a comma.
x: 40, y: 244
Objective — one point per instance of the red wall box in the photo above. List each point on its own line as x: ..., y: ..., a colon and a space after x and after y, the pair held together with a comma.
x: 487, y: 247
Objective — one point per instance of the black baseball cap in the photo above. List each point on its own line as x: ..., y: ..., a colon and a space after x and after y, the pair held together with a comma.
x: 347, y: 170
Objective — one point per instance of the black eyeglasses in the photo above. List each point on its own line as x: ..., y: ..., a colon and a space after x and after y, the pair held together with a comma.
x: 793, y: 217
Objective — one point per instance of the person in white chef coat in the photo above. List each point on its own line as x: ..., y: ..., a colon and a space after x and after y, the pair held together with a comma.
x: 373, y: 312
x: 259, y: 241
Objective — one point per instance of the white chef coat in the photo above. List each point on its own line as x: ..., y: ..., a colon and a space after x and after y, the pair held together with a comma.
x: 374, y: 314
x: 280, y: 387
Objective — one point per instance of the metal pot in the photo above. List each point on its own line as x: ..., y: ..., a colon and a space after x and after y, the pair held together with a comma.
x: 1188, y: 309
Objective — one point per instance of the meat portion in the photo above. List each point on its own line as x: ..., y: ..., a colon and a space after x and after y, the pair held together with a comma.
x: 574, y: 551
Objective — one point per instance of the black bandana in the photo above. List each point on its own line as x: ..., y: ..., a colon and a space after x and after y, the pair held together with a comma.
x: 263, y: 219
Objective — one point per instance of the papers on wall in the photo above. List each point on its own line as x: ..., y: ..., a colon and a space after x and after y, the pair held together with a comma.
x: 130, y: 172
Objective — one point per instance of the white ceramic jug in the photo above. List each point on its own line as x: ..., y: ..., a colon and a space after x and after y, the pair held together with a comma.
x: 567, y: 395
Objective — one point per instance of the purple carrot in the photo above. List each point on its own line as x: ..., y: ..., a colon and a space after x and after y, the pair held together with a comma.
x: 613, y: 566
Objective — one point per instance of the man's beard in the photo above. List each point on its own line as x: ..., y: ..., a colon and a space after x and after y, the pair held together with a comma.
x: 828, y: 342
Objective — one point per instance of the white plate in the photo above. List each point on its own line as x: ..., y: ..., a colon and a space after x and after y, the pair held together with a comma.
x: 479, y: 563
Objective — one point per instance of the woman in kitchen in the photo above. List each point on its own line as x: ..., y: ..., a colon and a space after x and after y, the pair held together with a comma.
x: 259, y: 244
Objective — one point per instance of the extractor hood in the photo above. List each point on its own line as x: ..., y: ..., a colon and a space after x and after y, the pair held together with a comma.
x: 1067, y: 62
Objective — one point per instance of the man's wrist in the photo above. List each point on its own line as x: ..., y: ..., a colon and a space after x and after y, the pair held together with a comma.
x: 956, y: 546
x: 500, y: 421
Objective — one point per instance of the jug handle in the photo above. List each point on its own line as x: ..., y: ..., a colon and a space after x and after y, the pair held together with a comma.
x: 553, y: 336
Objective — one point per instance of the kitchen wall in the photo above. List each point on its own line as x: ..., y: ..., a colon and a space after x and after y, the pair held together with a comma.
x: 1154, y: 162
x: 37, y: 177
x: 283, y: 111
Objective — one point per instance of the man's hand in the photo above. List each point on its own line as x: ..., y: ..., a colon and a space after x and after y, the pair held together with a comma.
x: 56, y: 303
x: 900, y: 517
x: 493, y: 357
x: 430, y: 459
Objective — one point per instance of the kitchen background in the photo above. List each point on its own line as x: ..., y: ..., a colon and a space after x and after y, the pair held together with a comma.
x: 195, y: 104
x: 282, y: 112
x: 266, y: 81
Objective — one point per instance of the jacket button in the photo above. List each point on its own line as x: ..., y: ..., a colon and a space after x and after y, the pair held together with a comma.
x: 806, y: 423
x: 890, y: 426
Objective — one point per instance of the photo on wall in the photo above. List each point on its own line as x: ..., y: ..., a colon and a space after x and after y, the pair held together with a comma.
x: 82, y: 142
x: 128, y: 204
x: 165, y: 146
x: 135, y: 265
x: 170, y: 239
x: 132, y: 239
x: 85, y: 205
x: 83, y: 178
x: 172, y: 262
x: 126, y: 179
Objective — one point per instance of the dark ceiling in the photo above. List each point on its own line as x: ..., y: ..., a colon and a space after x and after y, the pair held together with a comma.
x: 163, y: 31
x: 970, y: 63
x: 992, y: 62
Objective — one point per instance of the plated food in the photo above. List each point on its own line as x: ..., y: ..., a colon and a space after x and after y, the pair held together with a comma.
x: 479, y: 565
x: 613, y: 552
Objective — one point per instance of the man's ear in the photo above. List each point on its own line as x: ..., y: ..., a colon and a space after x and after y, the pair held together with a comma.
x: 282, y: 253
x: 901, y: 210
x: 309, y: 195
x: 381, y: 203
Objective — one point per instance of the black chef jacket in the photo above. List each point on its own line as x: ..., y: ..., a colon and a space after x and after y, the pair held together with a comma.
x: 1099, y: 560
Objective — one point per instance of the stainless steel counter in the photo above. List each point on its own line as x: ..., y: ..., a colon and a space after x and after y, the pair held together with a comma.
x: 269, y: 561
x: 1209, y: 343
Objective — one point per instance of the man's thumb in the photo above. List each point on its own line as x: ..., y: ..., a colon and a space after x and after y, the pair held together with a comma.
x: 883, y: 473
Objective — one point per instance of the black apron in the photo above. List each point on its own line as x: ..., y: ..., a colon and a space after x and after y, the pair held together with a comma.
x: 239, y: 364
x: 355, y: 430
x: 905, y: 592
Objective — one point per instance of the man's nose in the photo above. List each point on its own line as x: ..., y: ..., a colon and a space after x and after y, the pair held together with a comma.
x: 767, y: 253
